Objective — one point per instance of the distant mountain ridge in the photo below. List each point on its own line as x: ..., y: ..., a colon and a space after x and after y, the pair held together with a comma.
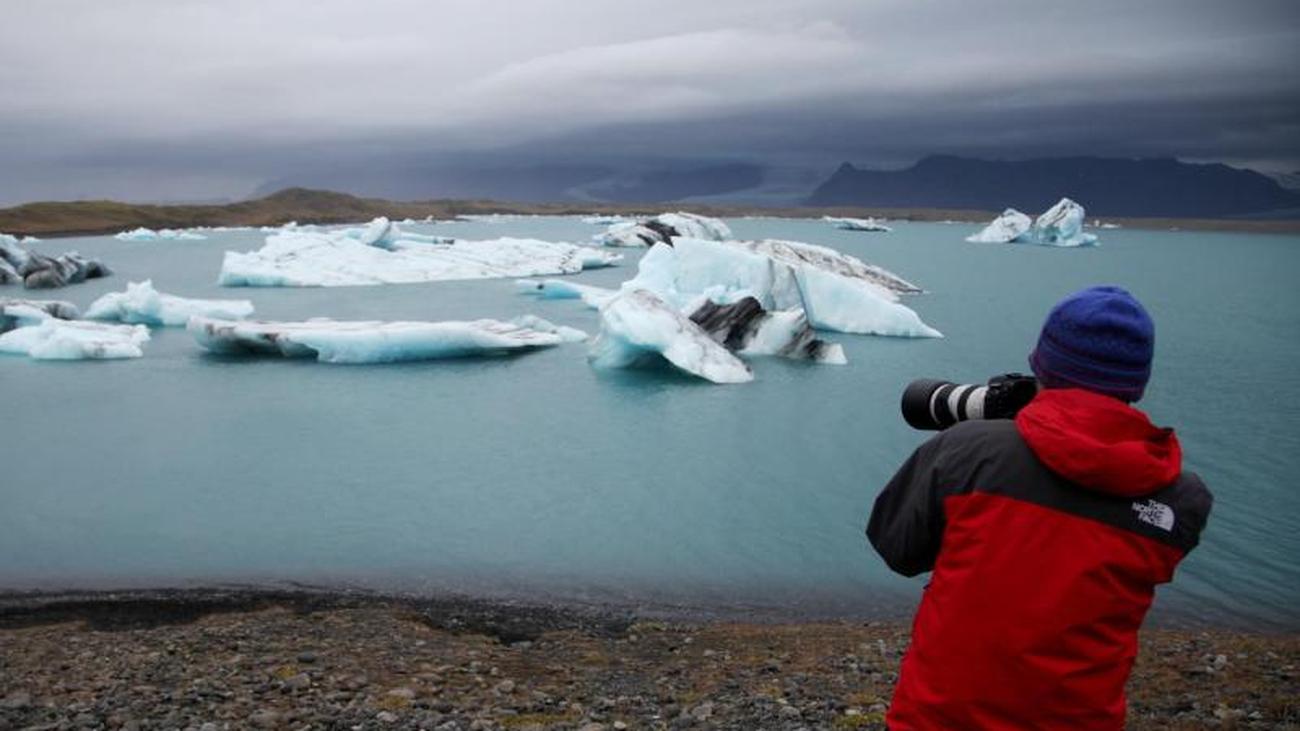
x: 1140, y: 187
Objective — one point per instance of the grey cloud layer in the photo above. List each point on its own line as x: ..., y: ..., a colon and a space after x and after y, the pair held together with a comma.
x: 218, y: 95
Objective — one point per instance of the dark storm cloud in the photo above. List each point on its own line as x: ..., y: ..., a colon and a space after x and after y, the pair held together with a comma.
x: 191, y: 99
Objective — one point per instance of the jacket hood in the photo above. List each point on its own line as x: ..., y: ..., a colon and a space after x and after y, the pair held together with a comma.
x: 1099, y: 442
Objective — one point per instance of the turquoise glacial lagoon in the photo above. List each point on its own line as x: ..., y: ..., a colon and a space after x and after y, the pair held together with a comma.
x: 535, y: 476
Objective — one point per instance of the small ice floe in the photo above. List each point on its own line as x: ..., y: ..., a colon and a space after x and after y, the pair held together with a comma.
x: 605, y: 220
x: 16, y: 313
x: 559, y: 289
x: 381, y: 254
x: 383, y: 234
x: 142, y: 304
x: 38, y: 271
x: 53, y: 338
x: 637, y: 326
x: 330, y: 341
x: 164, y: 234
x: 1061, y: 225
x: 857, y: 224
x: 662, y: 229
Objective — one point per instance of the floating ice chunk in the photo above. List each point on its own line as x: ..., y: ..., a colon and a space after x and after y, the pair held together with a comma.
x: 8, y: 273
x: 56, y: 339
x: 383, y: 234
x: 857, y: 224
x: 558, y: 289
x: 168, y: 234
x: 38, y: 271
x: 636, y: 326
x: 21, y: 313
x: 1062, y: 225
x: 1010, y: 226
x: 142, y: 304
x: 331, y: 341
x: 836, y: 291
x: 566, y: 333
x: 605, y: 220
x: 13, y: 259
x: 662, y: 229
x: 312, y: 259
x: 745, y: 328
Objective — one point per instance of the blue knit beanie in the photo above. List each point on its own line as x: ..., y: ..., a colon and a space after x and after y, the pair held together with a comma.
x: 1100, y: 339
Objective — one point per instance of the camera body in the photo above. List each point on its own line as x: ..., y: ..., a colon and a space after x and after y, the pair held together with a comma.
x: 934, y: 404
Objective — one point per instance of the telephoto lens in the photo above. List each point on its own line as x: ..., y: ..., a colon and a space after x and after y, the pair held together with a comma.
x: 933, y: 404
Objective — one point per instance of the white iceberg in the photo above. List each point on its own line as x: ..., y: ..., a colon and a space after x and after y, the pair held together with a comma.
x: 836, y: 291
x: 330, y: 341
x: 142, y: 304
x: 662, y: 229
x: 167, y: 234
x: 22, y: 312
x: 637, y: 325
x: 1060, y: 225
x: 336, y: 259
x: 857, y: 224
x: 559, y: 289
x: 57, y: 339
x: 1004, y: 229
x: 387, y: 235
x: 38, y: 271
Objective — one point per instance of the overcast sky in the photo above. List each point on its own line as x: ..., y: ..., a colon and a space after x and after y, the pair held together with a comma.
x: 195, y: 99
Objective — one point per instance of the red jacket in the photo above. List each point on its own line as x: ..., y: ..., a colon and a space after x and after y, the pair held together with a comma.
x: 1047, y: 538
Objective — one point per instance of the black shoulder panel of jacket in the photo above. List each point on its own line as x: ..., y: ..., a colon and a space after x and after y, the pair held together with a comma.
x: 906, y: 524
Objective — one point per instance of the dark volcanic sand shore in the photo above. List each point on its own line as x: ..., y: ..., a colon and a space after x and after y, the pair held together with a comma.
x: 225, y: 660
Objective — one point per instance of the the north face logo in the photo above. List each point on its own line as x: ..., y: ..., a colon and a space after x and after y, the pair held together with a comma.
x: 1157, y: 514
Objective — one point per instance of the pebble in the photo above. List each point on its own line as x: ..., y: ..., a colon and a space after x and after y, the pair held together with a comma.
x: 264, y: 719
x: 21, y: 699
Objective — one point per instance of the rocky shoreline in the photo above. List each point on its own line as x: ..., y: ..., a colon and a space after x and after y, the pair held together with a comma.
x: 211, y: 660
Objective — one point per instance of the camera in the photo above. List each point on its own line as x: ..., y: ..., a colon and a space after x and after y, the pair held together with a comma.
x: 933, y: 404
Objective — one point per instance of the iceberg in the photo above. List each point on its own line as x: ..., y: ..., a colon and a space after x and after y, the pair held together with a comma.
x: 857, y: 224
x: 637, y: 326
x: 168, y: 234
x: 330, y: 341
x: 57, y: 339
x: 662, y: 229
x: 1060, y: 225
x: 835, y: 291
x: 558, y: 289
x: 16, y: 313
x: 38, y: 271
x: 386, y: 235
x: 1004, y: 229
x: 142, y: 304
x: 337, y: 259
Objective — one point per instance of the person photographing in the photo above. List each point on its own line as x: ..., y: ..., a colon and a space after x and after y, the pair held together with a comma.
x: 1046, y: 534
